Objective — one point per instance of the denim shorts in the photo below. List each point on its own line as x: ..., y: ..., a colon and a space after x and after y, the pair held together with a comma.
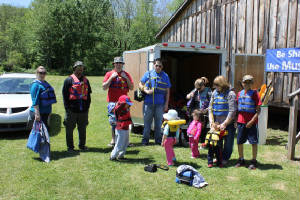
x: 245, y: 134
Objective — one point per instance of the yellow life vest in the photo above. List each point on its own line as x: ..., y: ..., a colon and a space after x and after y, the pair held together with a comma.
x: 174, y: 124
x: 213, y: 137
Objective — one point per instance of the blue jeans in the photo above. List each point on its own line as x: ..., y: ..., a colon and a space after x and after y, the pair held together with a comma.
x: 228, y: 142
x: 152, y: 111
x: 122, y: 140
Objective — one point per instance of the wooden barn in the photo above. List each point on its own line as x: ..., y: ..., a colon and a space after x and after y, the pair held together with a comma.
x: 245, y: 28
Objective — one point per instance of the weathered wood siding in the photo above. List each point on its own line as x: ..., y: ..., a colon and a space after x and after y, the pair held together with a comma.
x: 242, y: 27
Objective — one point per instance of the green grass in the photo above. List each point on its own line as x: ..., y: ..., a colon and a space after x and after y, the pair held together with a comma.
x: 90, y: 175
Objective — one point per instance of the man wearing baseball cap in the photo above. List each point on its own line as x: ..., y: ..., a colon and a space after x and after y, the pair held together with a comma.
x: 248, y: 109
x: 77, y: 99
x: 118, y: 82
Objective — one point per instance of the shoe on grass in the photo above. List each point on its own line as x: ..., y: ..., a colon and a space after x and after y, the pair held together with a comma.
x: 111, y: 144
x: 240, y: 162
x: 121, y: 158
x: 84, y: 148
x: 210, y: 165
x: 112, y: 159
x: 174, y: 159
x: 253, y: 165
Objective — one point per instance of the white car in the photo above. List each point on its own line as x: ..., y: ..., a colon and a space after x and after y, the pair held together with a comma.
x: 15, y: 101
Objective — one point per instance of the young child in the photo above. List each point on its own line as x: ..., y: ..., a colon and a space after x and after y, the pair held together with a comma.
x: 194, y: 132
x: 171, y: 134
x: 123, y: 120
x: 214, y: 141
x: 248, y: 110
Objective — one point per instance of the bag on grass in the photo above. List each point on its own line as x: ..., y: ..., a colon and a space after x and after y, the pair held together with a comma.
x: 187, y: 174
x: 34, y: 138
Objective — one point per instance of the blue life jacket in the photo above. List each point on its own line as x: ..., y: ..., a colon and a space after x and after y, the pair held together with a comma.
x: 220, y: 104
x: 246, y: 103
x: 157, y: 83
x: 47, y: 97
x: 204, y: 98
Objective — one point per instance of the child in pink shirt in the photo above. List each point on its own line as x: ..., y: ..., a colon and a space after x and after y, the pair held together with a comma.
x: 194, y: 132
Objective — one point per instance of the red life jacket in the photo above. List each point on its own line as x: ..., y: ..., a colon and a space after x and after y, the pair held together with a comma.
x: 79, y: 90
x: 119, y: 83
x: 123, y: 118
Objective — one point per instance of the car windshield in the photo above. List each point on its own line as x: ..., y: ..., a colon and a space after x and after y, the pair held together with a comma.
x: 15, y: 85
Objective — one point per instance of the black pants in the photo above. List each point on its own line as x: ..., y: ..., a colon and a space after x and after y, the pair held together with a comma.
x: 71, y: 119
x: 215, y: 151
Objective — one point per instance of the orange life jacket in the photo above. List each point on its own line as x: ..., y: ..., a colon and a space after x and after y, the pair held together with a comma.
x: 79, y: 90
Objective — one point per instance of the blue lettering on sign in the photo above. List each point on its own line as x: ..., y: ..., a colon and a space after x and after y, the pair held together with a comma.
x: 283, y: 60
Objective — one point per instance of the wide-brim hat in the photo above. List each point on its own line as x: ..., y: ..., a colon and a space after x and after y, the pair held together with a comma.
x: 118, y: 60
x: 247, y: 78
x: 171, y: 115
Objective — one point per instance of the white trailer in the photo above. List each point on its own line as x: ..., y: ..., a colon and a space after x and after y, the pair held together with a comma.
x: 183, y: 62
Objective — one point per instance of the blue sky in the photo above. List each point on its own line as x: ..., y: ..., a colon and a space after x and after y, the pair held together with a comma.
x: 19, y: 3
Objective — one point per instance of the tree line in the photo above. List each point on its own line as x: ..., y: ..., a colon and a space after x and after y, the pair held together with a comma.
x: 56, y: 33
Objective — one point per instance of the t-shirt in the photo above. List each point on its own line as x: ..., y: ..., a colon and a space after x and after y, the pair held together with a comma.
x: 35, y: 91
x: 114, y: 93
x: 244, y: 117
x: 159, y: 98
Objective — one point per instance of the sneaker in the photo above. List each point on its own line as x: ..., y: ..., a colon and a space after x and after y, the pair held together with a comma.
x: 71, y: 150
x: 130, y: 145
x: 84, y: 148
x: 253, y: 165
x: 210, y: 165
x: 121, y: 158
x: 224, y: 162
x: 112, y: 159
x: 111, y: 144
x: 192, y: 157
x: 240, y: 163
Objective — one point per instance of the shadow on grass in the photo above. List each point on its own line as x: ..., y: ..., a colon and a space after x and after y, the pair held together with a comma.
x: 144, y: 161
x: 277, y: 140
x: 195, y: 165
x: 98, y: 150
x: 260, y: 166
x: 57, y: 155
x: 15, y: 135
x: 55, y: 124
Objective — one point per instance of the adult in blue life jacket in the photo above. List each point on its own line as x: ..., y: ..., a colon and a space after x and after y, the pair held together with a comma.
x: 222, y: 112
x: 156, y: 84
x: 43, y: 96
x: 199, y: 98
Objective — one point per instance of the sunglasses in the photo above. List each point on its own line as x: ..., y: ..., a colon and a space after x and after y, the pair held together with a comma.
x: 42, y: 73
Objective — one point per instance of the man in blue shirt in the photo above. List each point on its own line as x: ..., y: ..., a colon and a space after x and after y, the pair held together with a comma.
x: 156, y: 84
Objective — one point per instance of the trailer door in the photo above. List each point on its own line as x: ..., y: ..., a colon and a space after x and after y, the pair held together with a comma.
x: 136, y: 64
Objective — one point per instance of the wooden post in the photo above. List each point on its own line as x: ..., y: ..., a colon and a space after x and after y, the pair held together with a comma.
x: 292, y: 127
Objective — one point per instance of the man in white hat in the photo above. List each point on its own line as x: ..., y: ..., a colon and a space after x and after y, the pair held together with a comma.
x: 118, y: 82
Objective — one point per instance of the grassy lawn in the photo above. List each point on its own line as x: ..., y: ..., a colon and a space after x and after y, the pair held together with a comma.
x: 90, y: 175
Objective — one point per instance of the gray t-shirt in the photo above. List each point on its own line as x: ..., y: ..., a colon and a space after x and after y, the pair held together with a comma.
x: 231, y: 97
